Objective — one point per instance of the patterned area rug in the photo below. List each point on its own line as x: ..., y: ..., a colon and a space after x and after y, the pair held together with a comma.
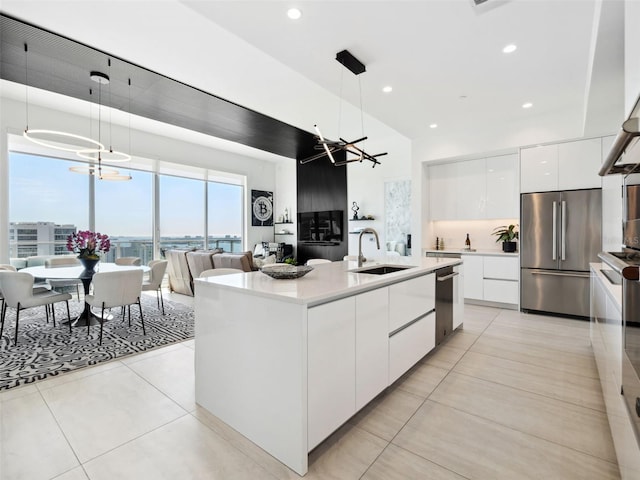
x: 43, y: 351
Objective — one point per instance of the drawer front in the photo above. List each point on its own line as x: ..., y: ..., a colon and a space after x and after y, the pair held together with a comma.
x: 503, y: 291
x: 411, y: 299
x: 410, y: 345
x: 502, y: 268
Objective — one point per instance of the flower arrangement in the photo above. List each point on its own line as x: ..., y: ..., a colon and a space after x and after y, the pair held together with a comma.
x: 88, y: 244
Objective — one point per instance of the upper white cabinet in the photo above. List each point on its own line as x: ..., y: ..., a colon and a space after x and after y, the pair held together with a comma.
x: 563, y: 166
x: 475, y: 189
x: 579, y: 164
x: 503, y: 194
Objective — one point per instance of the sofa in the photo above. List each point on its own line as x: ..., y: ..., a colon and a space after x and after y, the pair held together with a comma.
x: 34, y: 261
x: 185, y: 265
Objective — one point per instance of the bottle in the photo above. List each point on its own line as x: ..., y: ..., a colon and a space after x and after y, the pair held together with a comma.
x: 437, y: 243
x: 467, y: 243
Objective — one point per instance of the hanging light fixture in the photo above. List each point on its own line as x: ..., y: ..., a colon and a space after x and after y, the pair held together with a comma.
x: 55, y: 139
x: 101, y: 154
x: 328, y: 147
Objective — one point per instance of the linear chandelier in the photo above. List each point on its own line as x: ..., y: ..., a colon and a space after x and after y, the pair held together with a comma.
x: 329, y: 147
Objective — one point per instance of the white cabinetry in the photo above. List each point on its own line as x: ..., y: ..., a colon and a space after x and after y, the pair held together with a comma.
x: 475, y: 189
x: 473, y: 276
x: 408, y: 346
x: 411, y: 299
x: 331, y: 367
x: 458, y: 297
x: 491, y: 278
x: 563, y: 166
x: 503, y: 194
x: 372, y: 344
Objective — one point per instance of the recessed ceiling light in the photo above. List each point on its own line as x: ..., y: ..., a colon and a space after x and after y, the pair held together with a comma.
x: 294, y: 13
x: 509, y: 48
x: 433, y: 125
x: 527, y: 105
x: 387, y: 89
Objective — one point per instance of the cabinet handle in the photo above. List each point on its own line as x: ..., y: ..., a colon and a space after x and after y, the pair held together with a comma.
x: 447, y: 277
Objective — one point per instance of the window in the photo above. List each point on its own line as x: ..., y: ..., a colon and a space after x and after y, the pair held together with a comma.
x: 43, y: 194
x: 224, y: 216
x: 124, y: 211
x: 181, y: 213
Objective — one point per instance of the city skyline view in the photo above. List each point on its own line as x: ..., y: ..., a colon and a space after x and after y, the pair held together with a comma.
x: 42, y: 189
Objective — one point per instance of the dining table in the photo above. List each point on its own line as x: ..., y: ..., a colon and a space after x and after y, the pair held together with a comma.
x: 87, y: 317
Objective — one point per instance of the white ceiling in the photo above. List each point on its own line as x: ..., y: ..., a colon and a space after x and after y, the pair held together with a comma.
x: 444, y: 57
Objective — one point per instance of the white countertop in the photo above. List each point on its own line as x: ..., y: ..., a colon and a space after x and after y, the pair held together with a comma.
x: 327, y: 282
x: 462, y: 251
x: 614, y: 291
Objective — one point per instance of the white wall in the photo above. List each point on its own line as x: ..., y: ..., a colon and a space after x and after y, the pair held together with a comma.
x: 166, y: 154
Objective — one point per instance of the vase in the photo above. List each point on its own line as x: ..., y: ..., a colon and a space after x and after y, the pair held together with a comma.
x: 89, y: 263
x: 509, y: 247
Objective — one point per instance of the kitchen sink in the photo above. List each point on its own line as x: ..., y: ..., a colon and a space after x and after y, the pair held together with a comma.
x: 382, y: 269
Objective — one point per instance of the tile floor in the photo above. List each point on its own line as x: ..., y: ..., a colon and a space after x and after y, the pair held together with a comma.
x: 510, y: 396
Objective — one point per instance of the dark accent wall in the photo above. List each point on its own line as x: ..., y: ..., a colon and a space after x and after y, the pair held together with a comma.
x: 321, y: 186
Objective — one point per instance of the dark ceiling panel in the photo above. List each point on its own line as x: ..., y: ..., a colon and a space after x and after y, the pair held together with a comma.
x: 61, y: 65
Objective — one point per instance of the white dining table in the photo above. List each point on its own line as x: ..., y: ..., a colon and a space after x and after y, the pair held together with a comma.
x: 87, y: 317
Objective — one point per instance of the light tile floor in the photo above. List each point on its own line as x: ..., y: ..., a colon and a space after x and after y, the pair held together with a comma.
x: 510, y: 396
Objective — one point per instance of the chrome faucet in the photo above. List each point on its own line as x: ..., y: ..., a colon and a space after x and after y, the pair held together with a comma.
x: 361, y: 258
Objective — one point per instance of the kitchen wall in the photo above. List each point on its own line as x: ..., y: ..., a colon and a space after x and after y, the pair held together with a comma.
x: 455, y: 232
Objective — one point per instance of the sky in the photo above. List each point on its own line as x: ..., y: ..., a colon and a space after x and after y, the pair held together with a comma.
x: 42, y: 189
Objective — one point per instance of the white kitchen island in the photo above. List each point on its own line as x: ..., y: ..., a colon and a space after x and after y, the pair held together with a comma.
x: 286, y: 362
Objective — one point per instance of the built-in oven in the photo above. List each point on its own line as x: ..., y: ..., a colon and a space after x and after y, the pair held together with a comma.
x: 625, y: 265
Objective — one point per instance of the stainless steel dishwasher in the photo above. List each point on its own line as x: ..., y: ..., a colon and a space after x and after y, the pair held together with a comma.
x: 444, y: 302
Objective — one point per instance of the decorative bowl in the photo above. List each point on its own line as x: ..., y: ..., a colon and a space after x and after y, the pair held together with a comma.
x: 284, y: 271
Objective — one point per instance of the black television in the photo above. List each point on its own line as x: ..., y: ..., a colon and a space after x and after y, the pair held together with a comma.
x: 320, y: 227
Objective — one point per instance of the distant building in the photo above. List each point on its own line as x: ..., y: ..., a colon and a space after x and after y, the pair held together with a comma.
x: 38, y: 238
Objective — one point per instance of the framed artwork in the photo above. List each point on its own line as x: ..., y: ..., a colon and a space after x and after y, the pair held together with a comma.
x: 261, y: 208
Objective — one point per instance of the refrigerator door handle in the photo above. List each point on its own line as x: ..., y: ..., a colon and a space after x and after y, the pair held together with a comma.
x: 554, y: 244
x: 563, y: 232
x: 562, y: 274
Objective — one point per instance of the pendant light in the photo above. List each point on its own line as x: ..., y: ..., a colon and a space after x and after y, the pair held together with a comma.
x: 328, y: 147
x: 55, y: 139
x: 101, y: 154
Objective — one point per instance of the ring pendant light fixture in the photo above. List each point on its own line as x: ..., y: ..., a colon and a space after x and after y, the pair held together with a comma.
x: 55, y: 139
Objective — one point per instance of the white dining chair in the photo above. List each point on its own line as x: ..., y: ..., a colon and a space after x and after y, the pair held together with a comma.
x: 156, y: 275
x: 63, y: 261
x: 17, y: 290
x: 136, y: 261
x: 116, y: 289
x: 350, y: 258
x: 213, y: 272
x: 317, y: 261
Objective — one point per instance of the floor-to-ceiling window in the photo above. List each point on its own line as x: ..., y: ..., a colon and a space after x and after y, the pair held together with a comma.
x: 46, y: 203
x: 124, y: 210
x: 224, y: 216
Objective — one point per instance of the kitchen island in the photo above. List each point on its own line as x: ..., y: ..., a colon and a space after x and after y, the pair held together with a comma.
x: 286, y: 362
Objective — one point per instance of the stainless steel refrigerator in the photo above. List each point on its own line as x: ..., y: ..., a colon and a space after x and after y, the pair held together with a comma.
x: 560, y: 234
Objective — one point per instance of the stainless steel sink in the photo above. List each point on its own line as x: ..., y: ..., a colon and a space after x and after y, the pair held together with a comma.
x: 382, y: 269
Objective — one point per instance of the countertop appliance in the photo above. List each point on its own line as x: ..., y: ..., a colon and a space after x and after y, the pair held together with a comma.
x: 560, y: 234
x: 627, y: 265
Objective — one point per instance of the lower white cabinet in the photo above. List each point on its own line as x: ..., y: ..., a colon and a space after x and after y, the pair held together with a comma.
x: 372, y: 344
x: 410, y: 299
x: 458, y: 297
x: 492, y: 278
x: 411, y: 344
x: 331, y: 367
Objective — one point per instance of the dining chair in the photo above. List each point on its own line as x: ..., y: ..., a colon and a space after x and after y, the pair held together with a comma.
x: 10, y: 268
x: 63, y: 261
x: 116, y: 289
x: 156, y: 275
x: 18, y: 293
x: 137, y: 261
x: 214, y: 272
x: 350, y: 258
x: 317, y: 261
